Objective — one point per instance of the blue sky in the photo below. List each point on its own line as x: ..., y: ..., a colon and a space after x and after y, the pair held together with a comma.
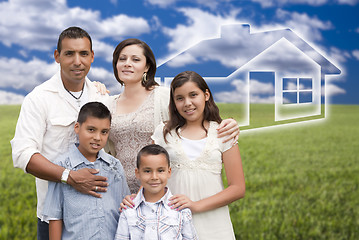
x: 29, y: 30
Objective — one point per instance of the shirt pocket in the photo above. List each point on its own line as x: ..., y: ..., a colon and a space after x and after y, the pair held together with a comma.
x: 61, y: 130
x: 136, y: 227
x: 169, y: 227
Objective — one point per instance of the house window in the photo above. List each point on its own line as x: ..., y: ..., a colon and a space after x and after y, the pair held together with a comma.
x: 297, y: 90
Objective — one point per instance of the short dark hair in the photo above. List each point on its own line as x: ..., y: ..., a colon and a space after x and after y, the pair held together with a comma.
x: 152, y: 149
x: 93, y: 109
x: 150, y: 60
x: 73, y: 32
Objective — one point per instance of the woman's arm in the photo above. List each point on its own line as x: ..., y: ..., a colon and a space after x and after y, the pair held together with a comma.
x: 235, y: 190
x: 55, y: 229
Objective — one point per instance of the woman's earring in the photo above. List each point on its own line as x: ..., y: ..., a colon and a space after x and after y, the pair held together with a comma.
x: 144, y: 78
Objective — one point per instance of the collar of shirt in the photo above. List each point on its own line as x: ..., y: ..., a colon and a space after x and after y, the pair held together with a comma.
x: 55, y: 85
x: 77, y: 158
x: 140, y: 199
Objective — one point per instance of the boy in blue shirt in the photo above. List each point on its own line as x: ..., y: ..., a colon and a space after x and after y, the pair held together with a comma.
x: 152, y: 217
x: 74, y: 215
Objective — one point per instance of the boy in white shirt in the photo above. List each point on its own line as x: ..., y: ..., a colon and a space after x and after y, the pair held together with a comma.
x: 152, y: 217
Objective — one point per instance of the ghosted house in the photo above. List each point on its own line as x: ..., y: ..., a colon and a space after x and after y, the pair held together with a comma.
x: 277, y: 68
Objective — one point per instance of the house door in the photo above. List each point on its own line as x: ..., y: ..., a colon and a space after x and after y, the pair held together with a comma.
x: 261, y: 98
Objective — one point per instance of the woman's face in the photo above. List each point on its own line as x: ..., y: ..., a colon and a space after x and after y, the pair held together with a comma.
x: 131, y: 64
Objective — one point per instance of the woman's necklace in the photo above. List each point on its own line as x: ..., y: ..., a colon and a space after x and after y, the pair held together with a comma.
x: 77, y: 98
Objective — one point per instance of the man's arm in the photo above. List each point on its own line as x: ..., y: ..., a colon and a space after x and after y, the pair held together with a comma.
x: 83, y: 180
x: 55, y: 229
x: 27, y: 144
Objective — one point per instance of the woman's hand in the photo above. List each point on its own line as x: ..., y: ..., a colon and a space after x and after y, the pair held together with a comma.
x: 101, y: 88
x: 228, y: 129
x: 181, y: 201
x: 127, y: 202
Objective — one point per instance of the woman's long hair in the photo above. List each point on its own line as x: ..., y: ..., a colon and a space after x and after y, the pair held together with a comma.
x: 176, y: 121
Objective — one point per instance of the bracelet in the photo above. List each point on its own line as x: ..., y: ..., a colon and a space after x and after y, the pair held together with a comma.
x: 65, y: 176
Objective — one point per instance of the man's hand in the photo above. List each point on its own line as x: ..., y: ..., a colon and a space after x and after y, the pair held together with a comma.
x: 84, y: 180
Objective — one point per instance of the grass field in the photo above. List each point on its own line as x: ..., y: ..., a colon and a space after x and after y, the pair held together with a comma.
x: 301, y: 181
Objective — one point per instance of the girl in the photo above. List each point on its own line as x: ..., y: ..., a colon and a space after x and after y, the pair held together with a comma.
x: 197, y: 155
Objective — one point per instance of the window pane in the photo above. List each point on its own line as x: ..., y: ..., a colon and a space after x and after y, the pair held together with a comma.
x: 305, y: 83
x: 305, y: 97
x: 289, y: 84
x: 289, y: 97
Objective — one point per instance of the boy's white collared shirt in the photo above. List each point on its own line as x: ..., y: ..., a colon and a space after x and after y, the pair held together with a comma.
x: 155, y: 221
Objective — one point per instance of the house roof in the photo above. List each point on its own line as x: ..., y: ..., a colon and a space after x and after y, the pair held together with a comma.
x: 236, y: 46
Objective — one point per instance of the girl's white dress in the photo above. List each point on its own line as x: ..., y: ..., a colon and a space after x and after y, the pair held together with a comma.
x: 199, y: 179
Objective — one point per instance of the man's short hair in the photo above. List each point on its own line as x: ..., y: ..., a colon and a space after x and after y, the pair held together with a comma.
x: 152, y: 149
x: 73, y: 32
x: 93, y: 109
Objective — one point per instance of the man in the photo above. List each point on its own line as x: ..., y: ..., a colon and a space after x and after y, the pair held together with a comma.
x: 47, y: 117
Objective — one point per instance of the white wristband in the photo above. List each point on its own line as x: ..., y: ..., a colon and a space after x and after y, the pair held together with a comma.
x: 65, y: 176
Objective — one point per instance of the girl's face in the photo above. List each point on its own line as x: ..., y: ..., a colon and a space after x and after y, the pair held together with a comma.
x: 190, y: 101
x: 131, y: 64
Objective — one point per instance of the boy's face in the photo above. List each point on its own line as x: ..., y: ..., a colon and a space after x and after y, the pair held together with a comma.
x: 93, y: 134
x: 153, y: 174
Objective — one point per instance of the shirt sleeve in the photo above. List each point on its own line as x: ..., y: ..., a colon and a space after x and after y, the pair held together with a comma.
x: 122, y: 228
x: 157, y: 136
x: 188, y: 229
x: 53, y: 207
x: 29, y: 132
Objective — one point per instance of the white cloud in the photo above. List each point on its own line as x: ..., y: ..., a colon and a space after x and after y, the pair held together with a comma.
x: 273, y: 3
x: 334, y: 90
x: 9, y: 98
x: 103, y: 50
x: 213, y: 4
x: 161, y: 3
x: 18, y: 74
x: 356, y: 54
x: 260, y: 93
x: 104, y: 76
x: 35, y: 25
x: 309, y: 28
x: 238, y: 95
x: 348, y: 2
x: 196, y: 29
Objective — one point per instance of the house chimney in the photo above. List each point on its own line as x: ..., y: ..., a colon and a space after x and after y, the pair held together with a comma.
x: 227, y: 31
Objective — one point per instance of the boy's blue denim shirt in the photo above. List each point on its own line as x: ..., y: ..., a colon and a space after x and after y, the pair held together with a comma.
x: 85, y: 216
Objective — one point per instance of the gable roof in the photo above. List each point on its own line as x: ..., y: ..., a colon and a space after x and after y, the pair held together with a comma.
x: 240, y: 46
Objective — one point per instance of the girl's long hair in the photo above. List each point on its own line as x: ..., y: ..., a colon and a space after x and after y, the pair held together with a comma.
x: 176, y: 121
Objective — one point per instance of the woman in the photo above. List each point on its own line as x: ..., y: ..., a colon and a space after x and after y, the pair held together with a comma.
x: 141, y: 106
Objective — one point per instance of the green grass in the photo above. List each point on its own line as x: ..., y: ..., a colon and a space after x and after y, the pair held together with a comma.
x: 301, y: 181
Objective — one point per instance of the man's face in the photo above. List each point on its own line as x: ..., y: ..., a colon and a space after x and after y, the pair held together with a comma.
x: 75, y: 60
